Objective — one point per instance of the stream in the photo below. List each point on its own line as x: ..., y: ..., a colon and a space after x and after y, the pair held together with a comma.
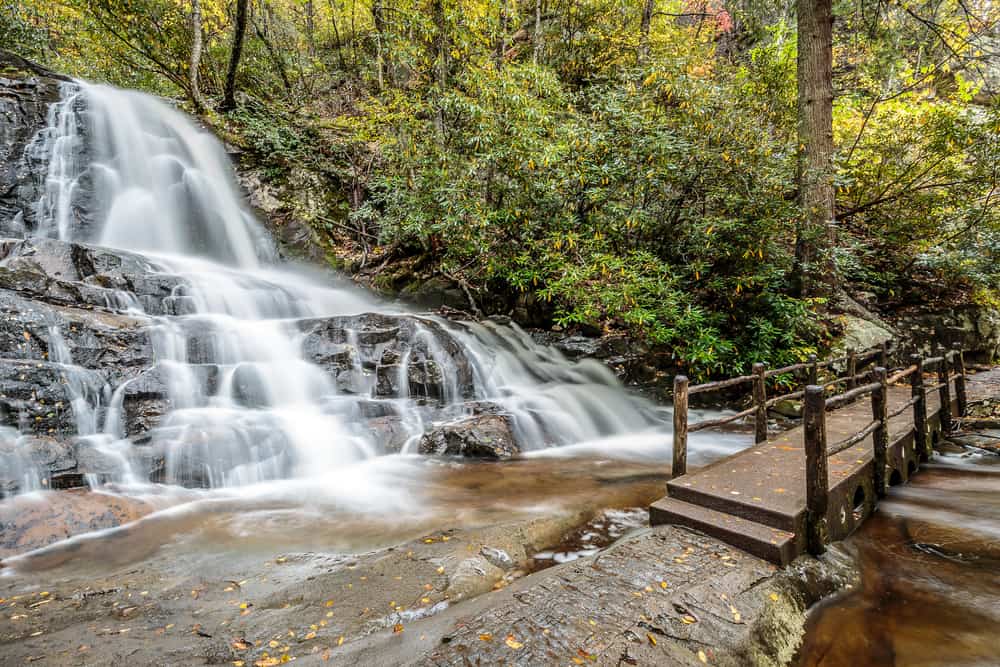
x: 930, y: 575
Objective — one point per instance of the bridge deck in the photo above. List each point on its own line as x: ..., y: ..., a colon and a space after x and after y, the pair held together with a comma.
x: 755, y: 499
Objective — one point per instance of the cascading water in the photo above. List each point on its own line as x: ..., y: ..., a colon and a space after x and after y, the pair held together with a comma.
x: 247, y: 411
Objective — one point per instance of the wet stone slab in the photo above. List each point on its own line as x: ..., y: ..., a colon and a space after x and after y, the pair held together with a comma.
x: 662, y: 596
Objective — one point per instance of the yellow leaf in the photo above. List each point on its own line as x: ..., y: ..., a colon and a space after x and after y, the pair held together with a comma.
x: 311, y: 635
x: 703, y: 657
x: 651, y: 638
x: 513, y: 643
x: 329, y: 603
x: 774, y: 597
x: 397, y: 628
x: 340, y: 641
x: 486, y: 637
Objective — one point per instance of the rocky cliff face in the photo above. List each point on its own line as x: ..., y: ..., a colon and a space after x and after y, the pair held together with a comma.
x: 26, y: 91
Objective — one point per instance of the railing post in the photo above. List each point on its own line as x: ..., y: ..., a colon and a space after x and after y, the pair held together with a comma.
x: 883, y: 354
x: 852, y: 369
x: 958, y: 367
x: 813, y: 370
x: 917, y: 391
x: 760, y: 402
x: 817, y: 481
x: 944, y: 377
x: 880, y: 437
x: 680, y: 426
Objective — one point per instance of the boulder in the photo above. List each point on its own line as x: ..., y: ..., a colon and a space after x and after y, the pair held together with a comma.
x: 860, y: 334
x: 788, y: 408
x: 481, y: 436
x: 380, y: 343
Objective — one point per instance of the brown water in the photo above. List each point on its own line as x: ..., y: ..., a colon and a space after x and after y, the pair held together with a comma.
x: 452, y: 495
x: 930, y: 564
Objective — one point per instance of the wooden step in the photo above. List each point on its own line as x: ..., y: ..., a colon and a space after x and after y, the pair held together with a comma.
x: 731, y: 497
x: 772, y: 544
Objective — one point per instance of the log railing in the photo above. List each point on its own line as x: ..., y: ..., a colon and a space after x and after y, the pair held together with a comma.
x: 950, y: 369
x: 853, y: 363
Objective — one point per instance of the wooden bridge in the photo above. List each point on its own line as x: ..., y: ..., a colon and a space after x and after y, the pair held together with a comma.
x: 817, y: 482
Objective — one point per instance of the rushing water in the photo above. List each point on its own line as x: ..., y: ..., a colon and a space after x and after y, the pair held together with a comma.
x: 930, y: 568
x: 128, y: 171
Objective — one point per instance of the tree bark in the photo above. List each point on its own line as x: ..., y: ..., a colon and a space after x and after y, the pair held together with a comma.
x: 239, y: 32
x: 195, y: 64
x: 441, y: 62
x: 814, y: 267
x: 538, y: 32
x: 378, y: 17
x: 647, y: 19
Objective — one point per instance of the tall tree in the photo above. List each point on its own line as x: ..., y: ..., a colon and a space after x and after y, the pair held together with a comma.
x: 814, y: 265
x: 195, y: 65
x: 647, y: 19
x: 239, y: 32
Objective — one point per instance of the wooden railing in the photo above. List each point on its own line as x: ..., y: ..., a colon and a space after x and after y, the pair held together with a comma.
x: 950, y: 370
x: 853, y: 362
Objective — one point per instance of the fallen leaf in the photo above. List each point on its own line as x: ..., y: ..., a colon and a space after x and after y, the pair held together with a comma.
x: 340, y: 641
x: 311, y: 635
x: 486, y: 637
x: 703, y: 657
x: 241, y: 644
x: 774, y: 597
x: 397, y: 628
x: 651, y: 638
x: 513, y: 643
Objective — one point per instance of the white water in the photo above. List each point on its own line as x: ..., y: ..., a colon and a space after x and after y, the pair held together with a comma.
x: 271, y: 422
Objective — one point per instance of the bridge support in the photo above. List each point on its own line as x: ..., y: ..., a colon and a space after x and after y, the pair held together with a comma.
x: 921, y: 443
x: 880, y: 436
x: 817, y: 480
x: 760, y: 402
x: 958, y: 367
x: 679, y: 466
x: 945, y: 391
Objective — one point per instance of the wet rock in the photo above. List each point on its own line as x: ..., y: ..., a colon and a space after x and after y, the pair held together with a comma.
x: 390, y: 433
x: 76, y: 274
x: 988, y: 440
x: 30, y: 462
x: 383, y: 343
x: 27, y: 523
x: 483, y: 436
x: 36, y: 397
x: 788, y: 408
x: 498, y: 557
x: 119, y: 345
x: 423, y: 379
x: 28, y: 90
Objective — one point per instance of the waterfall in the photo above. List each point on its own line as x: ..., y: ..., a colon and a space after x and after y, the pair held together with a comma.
x: 246, y: 405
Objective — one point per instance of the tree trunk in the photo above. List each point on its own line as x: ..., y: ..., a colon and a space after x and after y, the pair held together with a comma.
x: 538, y: 32
x: 441, y: 64
x: 311, y: 27
x: 378, y: 16
x: 272, y: 53
x: 814, y: 267
x: 196, y: 44
x: 229, y: 99
x: 647, y: 19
